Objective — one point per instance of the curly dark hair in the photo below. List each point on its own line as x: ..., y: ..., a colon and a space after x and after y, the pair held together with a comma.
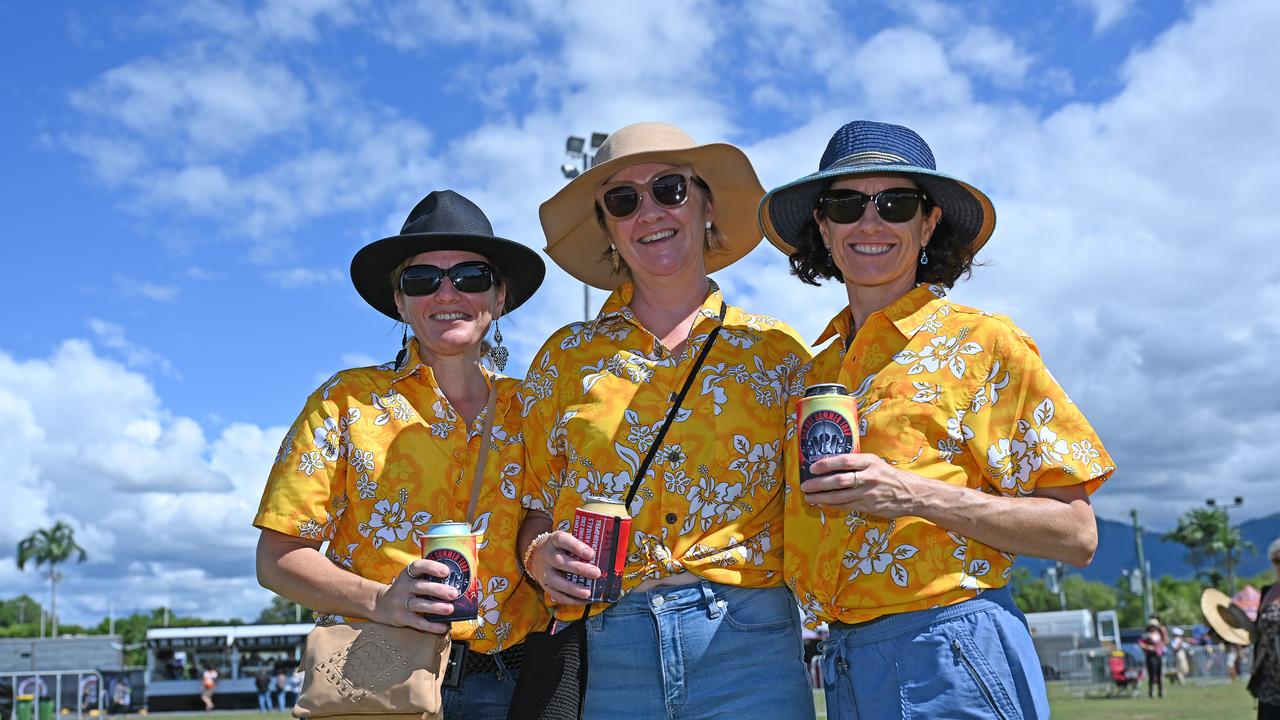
x: 949, y: 259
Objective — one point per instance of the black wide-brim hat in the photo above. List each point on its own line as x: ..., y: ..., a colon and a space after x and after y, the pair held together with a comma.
x: 444, y: 220
x: 861, y: 148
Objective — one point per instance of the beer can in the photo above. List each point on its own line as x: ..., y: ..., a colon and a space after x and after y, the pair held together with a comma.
x: 827, y: 418
x: 454, y: 545
x: 605, y: 525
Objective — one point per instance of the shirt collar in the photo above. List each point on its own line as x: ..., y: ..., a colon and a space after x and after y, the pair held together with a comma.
x: 413, y: 364
x: 618, y: 306
x: 906, y: 313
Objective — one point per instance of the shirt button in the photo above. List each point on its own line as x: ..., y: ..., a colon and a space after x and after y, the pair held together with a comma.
x: 659, y: 600
x: 671, y: 518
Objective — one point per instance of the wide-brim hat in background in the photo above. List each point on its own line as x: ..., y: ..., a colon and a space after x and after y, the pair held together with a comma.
x: 1227, y: 619
x: 577, y: 243
x: 864, y: 148
x: 444, y: 220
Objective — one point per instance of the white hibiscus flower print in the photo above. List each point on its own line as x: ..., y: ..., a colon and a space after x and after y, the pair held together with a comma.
x: 1044, y: 447
x: 389, y: 521
x: 392, y: 405
x: 710, y: 501
x: 286, y: 446
x: 331, y: 440
x: 874, y: 557
x: 989, y: 392
x: 1009, y: 463
x: 487, y: 601
x: 941, y: 352
x: 676, y: 482
x: 361, y: 460
x: 948, y: 449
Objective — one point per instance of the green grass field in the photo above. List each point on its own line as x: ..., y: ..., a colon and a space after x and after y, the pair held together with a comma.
x: 1187, y: 702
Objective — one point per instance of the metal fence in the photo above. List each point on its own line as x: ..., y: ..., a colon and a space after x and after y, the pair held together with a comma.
x: 1087, y: 671
x: 78, y: 691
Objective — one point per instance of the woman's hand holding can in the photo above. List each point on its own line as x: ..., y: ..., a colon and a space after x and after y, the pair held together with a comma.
x: 554, y: 557
x: 413, y: 592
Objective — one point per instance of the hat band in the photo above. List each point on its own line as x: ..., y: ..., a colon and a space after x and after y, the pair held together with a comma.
x: 870, y: 157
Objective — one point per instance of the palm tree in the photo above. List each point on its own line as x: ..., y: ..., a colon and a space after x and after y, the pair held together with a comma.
x: 50, y: 547
x: 1208, y: 537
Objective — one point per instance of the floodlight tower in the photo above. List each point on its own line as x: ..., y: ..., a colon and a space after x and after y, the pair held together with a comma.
x: 1238, y: 501
x: 576, y: 148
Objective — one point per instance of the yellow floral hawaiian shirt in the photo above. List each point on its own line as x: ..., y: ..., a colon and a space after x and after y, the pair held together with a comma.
x: 376, y: 456
x: 711, y: 503
x: 950, y: 393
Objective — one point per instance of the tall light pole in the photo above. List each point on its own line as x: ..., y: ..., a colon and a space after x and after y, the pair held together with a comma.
x: 576, y: 148
x: 1148, y: 602
x: 1238, y: 501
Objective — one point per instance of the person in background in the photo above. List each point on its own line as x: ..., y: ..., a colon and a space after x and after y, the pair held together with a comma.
x: 278, y: 687
x: 1181, y: 656
x: 1152, y: 644
x: 379, y: 454
x: 262, y: 683
x: 1264, y: 683
x: 208, y: 685
x: 971, y: 453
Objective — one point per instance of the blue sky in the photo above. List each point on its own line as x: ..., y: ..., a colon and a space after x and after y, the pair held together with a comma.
x: 187, y: 182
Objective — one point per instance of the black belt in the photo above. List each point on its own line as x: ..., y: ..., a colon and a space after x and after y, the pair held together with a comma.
x: 481, y: 663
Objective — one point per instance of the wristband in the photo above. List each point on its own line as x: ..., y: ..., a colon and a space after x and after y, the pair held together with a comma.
x: 528, y: 553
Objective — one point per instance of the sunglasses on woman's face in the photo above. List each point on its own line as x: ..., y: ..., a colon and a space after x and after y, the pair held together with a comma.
x: 472, y: 276
x: 622, y: 199
x: 895, y: 205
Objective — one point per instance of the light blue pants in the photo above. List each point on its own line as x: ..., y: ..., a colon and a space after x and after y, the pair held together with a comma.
x: 969, y: 660
x: 698, y: 651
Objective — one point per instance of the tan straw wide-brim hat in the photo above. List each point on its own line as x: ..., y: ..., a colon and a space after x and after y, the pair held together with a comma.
x: 1226, y: 618
x: 577, y: 243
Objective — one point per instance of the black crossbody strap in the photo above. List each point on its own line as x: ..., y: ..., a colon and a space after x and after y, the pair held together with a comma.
x: 674, y: 409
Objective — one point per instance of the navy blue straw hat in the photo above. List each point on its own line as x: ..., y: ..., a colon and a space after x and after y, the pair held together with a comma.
x: 863, y: 147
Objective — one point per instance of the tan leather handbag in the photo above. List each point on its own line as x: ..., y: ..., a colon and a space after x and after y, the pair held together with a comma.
x: 367, y: 668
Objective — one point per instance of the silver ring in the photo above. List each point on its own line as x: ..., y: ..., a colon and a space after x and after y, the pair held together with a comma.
x: 408, y: 572
x: 857, y: 483
x: 407, y: 598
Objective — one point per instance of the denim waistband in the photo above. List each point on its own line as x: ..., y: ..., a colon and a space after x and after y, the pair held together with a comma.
x: 882, y: 628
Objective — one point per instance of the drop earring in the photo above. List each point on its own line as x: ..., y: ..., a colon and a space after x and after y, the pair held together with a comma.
x: 924, y: 256
x: 404, y: 347
x: 614, y: 258
x: 498, y: 354
x: 707, y: 237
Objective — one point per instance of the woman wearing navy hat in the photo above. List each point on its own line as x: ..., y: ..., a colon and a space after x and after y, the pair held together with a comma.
x: 380, y: 453
x: 970, y: 452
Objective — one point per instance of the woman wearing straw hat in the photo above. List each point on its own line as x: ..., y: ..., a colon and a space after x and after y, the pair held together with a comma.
x: 704, y: 627
x: 379, y: 453
x: 970, y: 452
x: 1264, y: 683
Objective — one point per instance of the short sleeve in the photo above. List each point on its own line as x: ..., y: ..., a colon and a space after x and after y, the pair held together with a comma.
x: 309, y: 474
x: 1022, y: 429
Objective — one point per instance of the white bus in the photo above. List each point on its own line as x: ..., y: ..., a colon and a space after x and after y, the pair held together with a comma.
x: 176, y: 656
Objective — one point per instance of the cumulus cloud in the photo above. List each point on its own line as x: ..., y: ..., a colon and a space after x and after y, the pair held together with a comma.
x: 1106, y: 13
x: 112, y: 336
x: 153, y: 501
x: 292, y: 278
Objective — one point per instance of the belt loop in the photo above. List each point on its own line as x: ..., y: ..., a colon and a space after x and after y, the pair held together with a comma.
x: 714, y: 606
x: 596, y: 622
x: 502, y: 667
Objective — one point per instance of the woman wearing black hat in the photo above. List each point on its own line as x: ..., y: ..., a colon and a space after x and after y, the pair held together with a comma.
x: 380, y: 453
x: 970, y: 452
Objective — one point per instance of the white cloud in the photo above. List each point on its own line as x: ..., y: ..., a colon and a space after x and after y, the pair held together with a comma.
x: 1106, y: 13
x: 150, y: 291
x: 292, y: 278
x: 987, y: 51
x: 152, y: 501
x: 112, y: 336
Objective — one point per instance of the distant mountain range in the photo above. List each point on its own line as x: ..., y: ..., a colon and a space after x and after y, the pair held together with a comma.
x: 1116, y: 552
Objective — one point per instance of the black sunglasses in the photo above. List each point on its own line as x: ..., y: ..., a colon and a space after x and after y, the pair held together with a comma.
x: 622, y: 199
x: 893, y: 205
x: 472, y: 276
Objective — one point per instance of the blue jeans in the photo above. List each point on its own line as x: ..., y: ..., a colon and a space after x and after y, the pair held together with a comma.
x: 973, y: 659
x: 483, y: 696
x: 264, y: 700
x: 703, y: 650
